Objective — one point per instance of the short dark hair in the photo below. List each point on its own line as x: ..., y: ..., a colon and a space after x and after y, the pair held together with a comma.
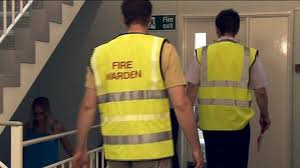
x: 42, y: 102
x: 228, y: 21
x: 136, y: 11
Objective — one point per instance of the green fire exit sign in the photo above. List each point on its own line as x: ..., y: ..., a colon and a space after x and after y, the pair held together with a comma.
x: 163, y: 22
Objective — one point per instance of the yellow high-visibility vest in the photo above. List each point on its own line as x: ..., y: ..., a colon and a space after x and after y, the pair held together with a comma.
x: 224, y: 95
x: 132, y: 98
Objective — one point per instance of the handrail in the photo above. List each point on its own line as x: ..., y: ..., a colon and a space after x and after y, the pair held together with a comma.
x: 51, y: 137
x: 17, y: 143
x: 11, y: 123
x: 2, y: 165
x: 71, y: 158
x: 6, y: 30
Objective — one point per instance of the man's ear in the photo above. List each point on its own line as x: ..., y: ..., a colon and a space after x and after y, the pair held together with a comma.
x: 124, y: 21
x: 218, y: 31
x: 149, y: 19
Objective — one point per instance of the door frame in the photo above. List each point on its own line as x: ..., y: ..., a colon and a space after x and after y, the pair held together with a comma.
x: 294, y: 99
x: 183, y: 20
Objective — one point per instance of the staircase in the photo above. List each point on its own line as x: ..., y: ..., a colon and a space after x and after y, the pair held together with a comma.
x: 26, y: 49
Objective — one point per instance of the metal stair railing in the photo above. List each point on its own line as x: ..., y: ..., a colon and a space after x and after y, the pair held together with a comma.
x: 17, y: 145
x: 2, y: 165
x: 16, y: 142
x: 24, y: 6
x: 94, y: 160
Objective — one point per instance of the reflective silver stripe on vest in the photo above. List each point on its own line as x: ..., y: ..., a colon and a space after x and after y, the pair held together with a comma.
x: 241, y: 84
x: 156, y: 46
x: 137, y: 139
x: 226, y: 102
x: 245, y: 74
x: 132, y: 95
x: 204, y: 66
x: 140, y: 117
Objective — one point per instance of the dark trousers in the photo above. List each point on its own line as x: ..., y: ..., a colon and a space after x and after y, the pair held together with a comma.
x: 174, y: 122
x: 227, y: 149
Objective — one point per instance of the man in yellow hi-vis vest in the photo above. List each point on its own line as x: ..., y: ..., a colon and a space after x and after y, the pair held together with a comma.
x: 222, y: 76
x: 130, y: 79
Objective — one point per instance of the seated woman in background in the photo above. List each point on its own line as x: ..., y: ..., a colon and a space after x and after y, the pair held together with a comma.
x: 42, y: 124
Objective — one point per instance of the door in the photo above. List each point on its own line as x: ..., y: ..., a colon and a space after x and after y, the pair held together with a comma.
x: 270, y: 36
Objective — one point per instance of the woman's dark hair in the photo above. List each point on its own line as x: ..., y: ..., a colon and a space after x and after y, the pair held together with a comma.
x: 228, y: 21
x: 42, y: 102
x: 136, y: 11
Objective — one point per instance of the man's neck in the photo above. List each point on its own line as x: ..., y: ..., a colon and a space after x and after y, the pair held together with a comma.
x: 137, y: 28
x: 226, y: 35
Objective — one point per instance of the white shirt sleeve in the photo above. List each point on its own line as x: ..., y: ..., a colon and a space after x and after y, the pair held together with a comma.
x: 193, y: 73
x: 258, y: 77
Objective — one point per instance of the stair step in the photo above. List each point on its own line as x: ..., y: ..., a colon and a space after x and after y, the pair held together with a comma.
x: 9, y: 34
x: 9, y: 42
x: 25, y: 45
x: 23, y: 22
x: 1, y: 100
x: 8, y: 62
x: 68, y: 2
x: 9, y: 69
x: 9, y: 13
x: 37, y: 20
x: 54, y: 11
x: 8, y: 5
x: 37, y: 4
x: 9, y: 81
x: 40, y: 25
